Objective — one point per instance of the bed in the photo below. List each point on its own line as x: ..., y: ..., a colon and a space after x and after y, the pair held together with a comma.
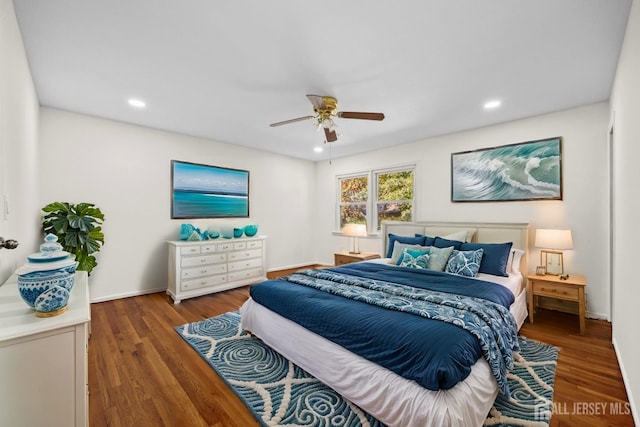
x: 394, y: 392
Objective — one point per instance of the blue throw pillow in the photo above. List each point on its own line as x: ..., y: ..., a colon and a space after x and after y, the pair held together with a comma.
x: 464, y: 263
x: 413, y: 252
x: 445, y: 243
x: 494, y: 257
x: 420, y: 261
x: 393, y: 238
x: 428, y: 240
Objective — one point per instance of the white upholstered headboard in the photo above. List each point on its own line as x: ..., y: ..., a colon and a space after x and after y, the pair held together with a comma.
x: 484, y: 232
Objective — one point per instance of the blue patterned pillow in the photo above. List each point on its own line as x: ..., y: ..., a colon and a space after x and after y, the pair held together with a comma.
x: 414, y: 252
x: 398, y: 250
x: 438, y: 258
x: 420, y: 261
x: 464, y: 263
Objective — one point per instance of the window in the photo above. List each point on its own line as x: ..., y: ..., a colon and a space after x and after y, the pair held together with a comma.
x: 390, y: 198
x: 354, y: 194
x: 394, y: 200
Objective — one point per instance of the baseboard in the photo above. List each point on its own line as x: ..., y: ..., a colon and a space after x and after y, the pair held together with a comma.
x: 632, y: 405
x: 128, y: 295
x: 291, y: 267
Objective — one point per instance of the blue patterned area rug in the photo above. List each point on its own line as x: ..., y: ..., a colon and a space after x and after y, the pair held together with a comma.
x: 279, y: 393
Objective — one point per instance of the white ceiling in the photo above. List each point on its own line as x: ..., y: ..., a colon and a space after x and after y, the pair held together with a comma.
x: 225, y: 70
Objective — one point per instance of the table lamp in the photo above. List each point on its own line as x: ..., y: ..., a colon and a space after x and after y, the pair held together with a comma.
x: 553, y: 241
x: 355, y: 231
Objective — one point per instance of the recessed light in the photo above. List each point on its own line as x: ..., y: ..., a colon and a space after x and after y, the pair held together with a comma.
x: 489, y: 105
x: 137, y: 103
x: 317, y: 149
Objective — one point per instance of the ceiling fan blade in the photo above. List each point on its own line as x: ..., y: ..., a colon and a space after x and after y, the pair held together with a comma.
x: 360, y: 115
x: 316, y: 101
x: 286, y: 122
x: 330, y: 135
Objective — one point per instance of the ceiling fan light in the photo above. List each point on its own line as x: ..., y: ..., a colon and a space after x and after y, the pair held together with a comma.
x: 329, y: 124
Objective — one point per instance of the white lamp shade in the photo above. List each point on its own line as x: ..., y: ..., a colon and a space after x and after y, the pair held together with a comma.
x: 354, y: 230
x: 553, y: 239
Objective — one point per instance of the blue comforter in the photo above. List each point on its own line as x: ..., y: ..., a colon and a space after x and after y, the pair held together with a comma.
x: 426, y: 326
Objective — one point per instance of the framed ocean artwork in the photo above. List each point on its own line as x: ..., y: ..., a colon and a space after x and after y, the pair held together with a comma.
x: 529, y: 170
x: 204, y: 191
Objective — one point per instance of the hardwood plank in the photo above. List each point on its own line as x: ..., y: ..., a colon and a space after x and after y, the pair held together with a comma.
x: 141, y: 372
x: 588, y: 386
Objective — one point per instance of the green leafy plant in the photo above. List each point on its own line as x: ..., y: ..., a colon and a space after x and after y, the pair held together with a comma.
x: 78, y: 228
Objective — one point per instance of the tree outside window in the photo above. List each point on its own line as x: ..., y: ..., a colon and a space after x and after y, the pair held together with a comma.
x: 391, y: 199
x: 394, y: 201
x: 354, y: 195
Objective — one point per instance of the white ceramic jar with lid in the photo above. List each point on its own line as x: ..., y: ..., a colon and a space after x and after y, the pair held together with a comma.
x: 46, y: 279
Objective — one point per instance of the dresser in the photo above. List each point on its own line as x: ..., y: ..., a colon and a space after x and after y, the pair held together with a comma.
x: 44, y: 360
x: 203, y: 267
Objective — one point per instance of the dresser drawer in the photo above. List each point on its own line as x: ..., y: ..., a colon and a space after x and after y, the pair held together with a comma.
x: 253, y: 253
x: 190, y: 250
x: 207, y: 249
x: 254, y: 244
x: 203, y: 260
x: 225, y: 246
x: 245, y: 274
x: 205, y: 270
x: 555, y: 290
x: 242, y: 265
x: 203, y: 282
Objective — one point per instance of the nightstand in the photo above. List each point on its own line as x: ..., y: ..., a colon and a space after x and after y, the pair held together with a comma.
x: 549, y: 286
x: 341, y: 258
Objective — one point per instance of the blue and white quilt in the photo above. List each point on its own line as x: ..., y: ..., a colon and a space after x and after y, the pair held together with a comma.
x: 424, y: 325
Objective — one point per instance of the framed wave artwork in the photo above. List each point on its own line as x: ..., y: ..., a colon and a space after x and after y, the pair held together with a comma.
x: 203, y: 191
x: 529, y: 170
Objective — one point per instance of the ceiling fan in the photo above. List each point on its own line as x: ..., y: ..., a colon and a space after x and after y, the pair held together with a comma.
x: 326, y: 108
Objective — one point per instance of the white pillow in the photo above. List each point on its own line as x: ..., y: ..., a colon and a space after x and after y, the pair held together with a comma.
x: 513, y: 263
x: 460, y: 236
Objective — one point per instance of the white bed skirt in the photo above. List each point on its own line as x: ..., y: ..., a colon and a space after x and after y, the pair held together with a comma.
x: 387, y: 396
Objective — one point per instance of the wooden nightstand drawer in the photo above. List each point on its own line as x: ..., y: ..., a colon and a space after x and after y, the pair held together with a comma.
x: 342, y: 258
x: 555, y: 290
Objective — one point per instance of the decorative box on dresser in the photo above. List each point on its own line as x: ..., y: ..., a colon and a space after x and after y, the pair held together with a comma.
x: 44, y: 360
x: 202, y: 267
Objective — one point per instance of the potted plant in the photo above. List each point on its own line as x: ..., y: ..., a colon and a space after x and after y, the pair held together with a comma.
x: 78, y: 228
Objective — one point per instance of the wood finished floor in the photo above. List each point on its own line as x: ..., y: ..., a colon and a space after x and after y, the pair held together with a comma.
x: 141, y: 373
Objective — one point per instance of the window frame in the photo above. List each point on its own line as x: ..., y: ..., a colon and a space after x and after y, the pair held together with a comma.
x: 339, y: 204
x: 372, y: 195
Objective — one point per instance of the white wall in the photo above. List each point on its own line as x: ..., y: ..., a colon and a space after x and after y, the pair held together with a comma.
x: 583, y: 210
x: 18, y: 145
x: 125, y: 170
x: 625, y: 107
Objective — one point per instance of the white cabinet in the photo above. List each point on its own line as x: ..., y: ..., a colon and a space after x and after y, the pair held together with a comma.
x: 44, y: 360
x: 202, y: 267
